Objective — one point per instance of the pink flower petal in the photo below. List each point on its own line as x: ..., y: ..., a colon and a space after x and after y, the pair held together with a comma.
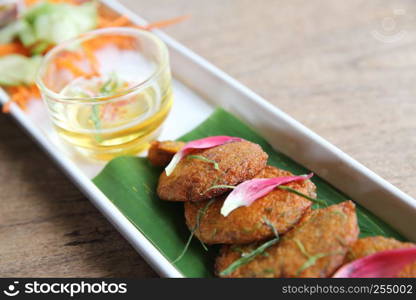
x: 382, y: 264
x: 251, y: 190
x: 204, y: 143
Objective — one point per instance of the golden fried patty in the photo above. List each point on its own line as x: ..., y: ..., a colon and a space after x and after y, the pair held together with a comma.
x: 316, y: 247
x: 371, y: 245
x: 161, y: 153
x: 228, y: 164
x: 246, y: 224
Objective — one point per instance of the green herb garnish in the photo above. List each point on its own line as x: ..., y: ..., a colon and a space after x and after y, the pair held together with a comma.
x: 289, y: 189
x: 342, y: 214
x: 95, y: 118
x: 203, y: 158
x: 214, y: 232
x: 247, y: 257
x: 221, y: 186
x: 201, y: 213
x: 237, y: 249
x: 247, y: 230
x: 270, y: 224
x: 110, y: 86
x: 310, y: 262
x: 312, y: 259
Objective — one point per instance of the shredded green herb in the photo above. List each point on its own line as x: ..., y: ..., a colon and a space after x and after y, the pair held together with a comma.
x: 342, y: 214
x: 289, y: 189
x: 301, y: 247
x: 95, y: 118
x: 310, y: 262
x: 247, y: 230
x: 247, y: 257
x: 110, y: 85
x: 270, y: 224
x: 215, y: 181
x: 201, y: 213
x: 203, y: 158
x: 221, y: 186
x: 268, y: 271
x: 108, y: 88
x: 214, y: 232
x: 149, y: 191
x: 311, y: 259
x: 237, y: 249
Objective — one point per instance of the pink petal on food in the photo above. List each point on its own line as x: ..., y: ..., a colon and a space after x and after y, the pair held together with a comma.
x: 251, y: 190
x: 382, y: 264
x: 204, y: 143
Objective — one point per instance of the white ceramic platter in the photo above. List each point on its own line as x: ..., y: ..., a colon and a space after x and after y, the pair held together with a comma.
x: 199, y: 87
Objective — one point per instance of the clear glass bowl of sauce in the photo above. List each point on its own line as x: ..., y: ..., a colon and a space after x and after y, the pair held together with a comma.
x: 109, y: 91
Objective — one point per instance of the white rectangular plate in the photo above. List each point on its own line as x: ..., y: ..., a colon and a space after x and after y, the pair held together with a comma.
x: 198, y: 88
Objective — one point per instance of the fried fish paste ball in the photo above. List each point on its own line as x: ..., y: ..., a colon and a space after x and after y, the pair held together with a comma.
x: 161, y: 153
x: 371, y: 245
x: 316, y: 247
x: 246, y: 224
x: 195, y: 174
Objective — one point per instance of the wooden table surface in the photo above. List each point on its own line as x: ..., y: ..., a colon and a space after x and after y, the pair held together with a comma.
x: 346, y: 69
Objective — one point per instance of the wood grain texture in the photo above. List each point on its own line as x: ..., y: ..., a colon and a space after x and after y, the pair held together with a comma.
x: 47, y: 227
x: 346, y: 69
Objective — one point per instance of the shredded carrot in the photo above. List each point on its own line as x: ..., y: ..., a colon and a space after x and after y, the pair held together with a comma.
x: 102, y: 22
x: 166, y: 23
x: 105, y: 21
x: 6, y: 107
x: 120, y: 21
x: 34, y: 91
x: 68, y: 60
x: 92, y: 59
x: 69, y: 65
x: 122, y: 42
x: 71, y: 55
x: 33, y: 2
x: 21, y: 95
x: 13, y: 48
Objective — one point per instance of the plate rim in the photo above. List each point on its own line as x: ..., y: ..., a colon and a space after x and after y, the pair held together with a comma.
x: 142, y: 245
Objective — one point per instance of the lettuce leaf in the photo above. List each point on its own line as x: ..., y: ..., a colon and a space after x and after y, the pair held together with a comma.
x: 51, y: 23
x: 55, y: 23
x: 10, y: 31
x: 16, y: 69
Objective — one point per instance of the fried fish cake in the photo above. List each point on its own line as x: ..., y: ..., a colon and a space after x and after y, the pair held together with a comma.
x: 246, y: 224
x: 195, y: 174
x: 161, y: 153
x: 371, y: 245
x: 316, y: 247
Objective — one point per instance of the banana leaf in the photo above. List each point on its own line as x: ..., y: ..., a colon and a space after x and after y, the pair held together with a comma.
x: 130, y: 183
